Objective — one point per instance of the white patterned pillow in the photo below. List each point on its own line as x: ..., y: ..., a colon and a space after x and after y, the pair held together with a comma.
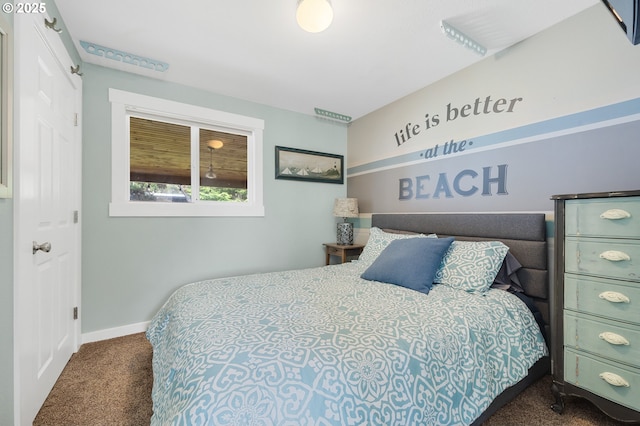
x: 471, y: 265
x: 379, y: 240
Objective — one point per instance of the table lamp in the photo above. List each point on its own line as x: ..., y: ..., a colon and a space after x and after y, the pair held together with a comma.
x: 344, y: 208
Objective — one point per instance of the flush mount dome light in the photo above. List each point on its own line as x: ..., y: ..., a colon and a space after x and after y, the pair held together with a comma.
x: 215, y: 144
x: 314, y: 16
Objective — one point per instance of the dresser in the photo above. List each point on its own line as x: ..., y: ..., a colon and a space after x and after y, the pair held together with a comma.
x: 595, y: 341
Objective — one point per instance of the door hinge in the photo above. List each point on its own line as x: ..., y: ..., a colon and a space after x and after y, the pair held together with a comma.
x: 75, y: 216
x: 75, y: 313
x: 75, y: 119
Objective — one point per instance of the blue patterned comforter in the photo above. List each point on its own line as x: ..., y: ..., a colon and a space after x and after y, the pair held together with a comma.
x: 322, y: 346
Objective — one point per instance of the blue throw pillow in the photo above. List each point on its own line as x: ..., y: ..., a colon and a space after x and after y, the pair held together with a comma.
x: 410, y: 263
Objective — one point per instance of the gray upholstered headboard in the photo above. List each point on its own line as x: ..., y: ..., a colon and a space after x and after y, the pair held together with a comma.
x: 524, y: 233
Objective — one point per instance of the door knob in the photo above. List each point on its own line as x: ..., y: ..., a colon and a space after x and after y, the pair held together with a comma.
x: 45, y: 247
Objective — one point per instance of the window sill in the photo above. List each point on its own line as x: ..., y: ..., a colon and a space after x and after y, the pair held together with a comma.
x: 151, y: 209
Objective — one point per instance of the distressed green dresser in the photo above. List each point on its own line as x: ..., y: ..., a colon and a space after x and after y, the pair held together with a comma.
x: 595, y: 342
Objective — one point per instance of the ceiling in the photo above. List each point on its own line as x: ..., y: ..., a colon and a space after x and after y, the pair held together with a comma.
x: 375, y: 51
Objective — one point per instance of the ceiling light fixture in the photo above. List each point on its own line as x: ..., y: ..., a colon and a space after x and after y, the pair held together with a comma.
x: 314, y: 16
x: 460, y: 37
x: 210, y: 173
x: 211, y: 145
x: 215, y: 144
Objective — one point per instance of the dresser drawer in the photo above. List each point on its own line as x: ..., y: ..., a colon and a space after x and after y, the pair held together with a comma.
x: 600, y: 296
x: 603, y: 257
x: 610, y: 339
x: 588, y: 373
x: 619, y: 217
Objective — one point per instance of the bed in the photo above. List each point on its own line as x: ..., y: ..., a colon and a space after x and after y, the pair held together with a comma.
x: 364, y: 342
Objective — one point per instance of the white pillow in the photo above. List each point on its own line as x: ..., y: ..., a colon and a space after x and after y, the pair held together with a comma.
x: 378, y: 241
x: 471, y: 265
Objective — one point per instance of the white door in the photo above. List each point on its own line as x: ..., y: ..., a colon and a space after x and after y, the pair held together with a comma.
x: 47, y: 197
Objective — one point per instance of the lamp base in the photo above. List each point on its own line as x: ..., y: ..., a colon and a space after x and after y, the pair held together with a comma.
x: 345, y: 233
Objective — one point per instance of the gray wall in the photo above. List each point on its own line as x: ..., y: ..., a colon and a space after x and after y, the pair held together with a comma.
x: 511, y: 177
x: 573, y: 128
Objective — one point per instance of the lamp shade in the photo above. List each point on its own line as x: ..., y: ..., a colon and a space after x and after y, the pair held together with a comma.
x: 314, y: 16
x: 345, y: 207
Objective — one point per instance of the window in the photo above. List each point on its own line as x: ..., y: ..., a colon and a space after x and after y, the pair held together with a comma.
x: 174, y: 159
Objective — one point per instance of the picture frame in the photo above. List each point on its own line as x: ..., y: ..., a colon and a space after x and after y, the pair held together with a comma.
x: 310, y: 166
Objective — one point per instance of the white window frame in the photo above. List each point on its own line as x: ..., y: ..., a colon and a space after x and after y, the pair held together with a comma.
x: 124, y: 104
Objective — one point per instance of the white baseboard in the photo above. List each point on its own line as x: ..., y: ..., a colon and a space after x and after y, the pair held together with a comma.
x: 110, y: 333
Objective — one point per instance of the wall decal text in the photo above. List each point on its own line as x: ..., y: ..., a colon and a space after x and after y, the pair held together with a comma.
x: 450, y: 147
x: 462, y: 184
x: 478, y: 107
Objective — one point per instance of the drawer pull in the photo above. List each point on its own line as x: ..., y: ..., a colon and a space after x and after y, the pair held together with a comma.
x: 615, y: 214
x: 613, y: 338
x: 614, y: 297
x: 614, y: 255
x: 613, y: 379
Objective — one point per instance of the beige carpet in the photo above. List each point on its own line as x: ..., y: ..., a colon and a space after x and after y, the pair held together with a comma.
x: 105, y: 383
x: 109, y: 383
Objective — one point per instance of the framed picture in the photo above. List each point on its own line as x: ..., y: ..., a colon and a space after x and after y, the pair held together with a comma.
x: 298, y: 164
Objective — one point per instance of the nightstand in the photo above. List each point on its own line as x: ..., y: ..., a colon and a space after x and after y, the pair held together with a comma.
x: 342, y: 251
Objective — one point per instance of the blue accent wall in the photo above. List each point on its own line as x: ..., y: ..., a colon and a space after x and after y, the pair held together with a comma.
x: 513, y: 170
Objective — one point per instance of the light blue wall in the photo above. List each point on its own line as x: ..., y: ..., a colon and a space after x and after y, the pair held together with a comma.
x: 131, y: 265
